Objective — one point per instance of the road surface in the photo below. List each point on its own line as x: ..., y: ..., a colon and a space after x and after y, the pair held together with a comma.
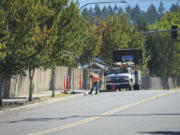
x: 150, y: 112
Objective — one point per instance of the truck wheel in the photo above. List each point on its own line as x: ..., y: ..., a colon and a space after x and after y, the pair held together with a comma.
x: 137, y: 87
x: 108, y: 88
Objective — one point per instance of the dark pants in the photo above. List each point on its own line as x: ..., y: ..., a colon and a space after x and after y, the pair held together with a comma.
x: 96, y: 86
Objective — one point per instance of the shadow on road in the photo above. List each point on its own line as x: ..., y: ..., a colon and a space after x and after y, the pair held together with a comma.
x: 162, y: 132
x: 88, y: 116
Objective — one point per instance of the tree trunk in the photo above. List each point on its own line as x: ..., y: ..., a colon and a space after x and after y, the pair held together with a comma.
x: 166, y: 84
x: 1, y: 93
x: 53, y: 82
x: 31, y: 85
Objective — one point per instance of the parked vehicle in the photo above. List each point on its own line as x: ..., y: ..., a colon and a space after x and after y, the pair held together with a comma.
x: 126, y: 75
x: 120, y: 78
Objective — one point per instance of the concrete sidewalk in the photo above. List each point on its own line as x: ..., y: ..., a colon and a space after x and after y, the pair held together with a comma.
x: 39, y: 99
x: 24, y: 98
x: 37, y: 95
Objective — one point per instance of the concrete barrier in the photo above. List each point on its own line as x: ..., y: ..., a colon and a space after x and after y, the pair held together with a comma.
x: 160, y: 83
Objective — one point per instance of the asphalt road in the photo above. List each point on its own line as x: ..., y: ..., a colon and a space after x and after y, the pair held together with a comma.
x: 150, y: 112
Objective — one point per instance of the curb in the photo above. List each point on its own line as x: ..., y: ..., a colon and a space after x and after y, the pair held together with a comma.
x: 40, y: 104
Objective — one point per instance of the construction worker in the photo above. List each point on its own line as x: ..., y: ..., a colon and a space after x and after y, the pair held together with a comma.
x: 95, y: 83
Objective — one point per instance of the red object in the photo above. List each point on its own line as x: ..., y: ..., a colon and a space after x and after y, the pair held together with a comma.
x: 68, y: 83
x: 113, y: 87
x: 80, y: 82
x: 64, y: 83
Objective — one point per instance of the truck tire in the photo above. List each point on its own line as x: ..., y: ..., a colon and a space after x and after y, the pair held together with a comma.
x: 137, y: 87
x: 108, y: 88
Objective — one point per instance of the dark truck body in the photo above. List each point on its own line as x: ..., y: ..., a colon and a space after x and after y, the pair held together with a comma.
x: 126, y: 55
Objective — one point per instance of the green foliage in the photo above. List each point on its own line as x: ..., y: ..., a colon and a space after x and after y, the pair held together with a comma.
x: 118, y: 33
x: 114, y: 35
x: 138, y: 40
x: 93, y: 44
x: 31, y: 38
x: 175, y: 7
x: 40, y: 34
x: 152, y: 14
x: 3, y: 36
x: 165, y: 52
x: 72, y: 34
x: 8, y: 62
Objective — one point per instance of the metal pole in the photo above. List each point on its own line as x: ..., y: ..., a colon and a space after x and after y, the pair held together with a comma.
x: 103, y: 2
x: 157, y: 31
x: 73, y: 81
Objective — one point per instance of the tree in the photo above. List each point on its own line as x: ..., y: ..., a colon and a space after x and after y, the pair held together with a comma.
x: 30, y: 39
x: 161, y: 8
x: 72, y: 34
x: 117, y: 33
x: 129, y: 11
x: 115, y: 9
x: 10, y: 63
x: 138, y: 40
x: 110, y: 10
x: 7, y: 56
x: 175, y: 7
x: 114, y: 35
x: 3, y: 53
x: 40, y: 34
x: 136, y: 13
x: 97, y: 11
x: 104, y: 12
x: 152, y: 14
x: 93, y: 43
x: 85, y: 13
x: 120, y: 11
x: 165, y: 58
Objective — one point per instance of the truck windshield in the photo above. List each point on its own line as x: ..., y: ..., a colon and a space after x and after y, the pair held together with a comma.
x: 119, y: 71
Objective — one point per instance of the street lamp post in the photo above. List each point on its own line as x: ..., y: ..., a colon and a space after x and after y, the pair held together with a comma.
x: 103, y: 2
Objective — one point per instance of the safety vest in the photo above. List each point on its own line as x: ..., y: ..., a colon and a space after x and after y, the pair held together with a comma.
x: 94, y: 79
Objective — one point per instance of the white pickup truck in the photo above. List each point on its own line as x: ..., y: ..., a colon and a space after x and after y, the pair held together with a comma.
x: 118, y: 78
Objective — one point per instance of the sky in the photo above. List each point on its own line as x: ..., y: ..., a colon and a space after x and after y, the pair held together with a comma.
x: 143, y: 4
